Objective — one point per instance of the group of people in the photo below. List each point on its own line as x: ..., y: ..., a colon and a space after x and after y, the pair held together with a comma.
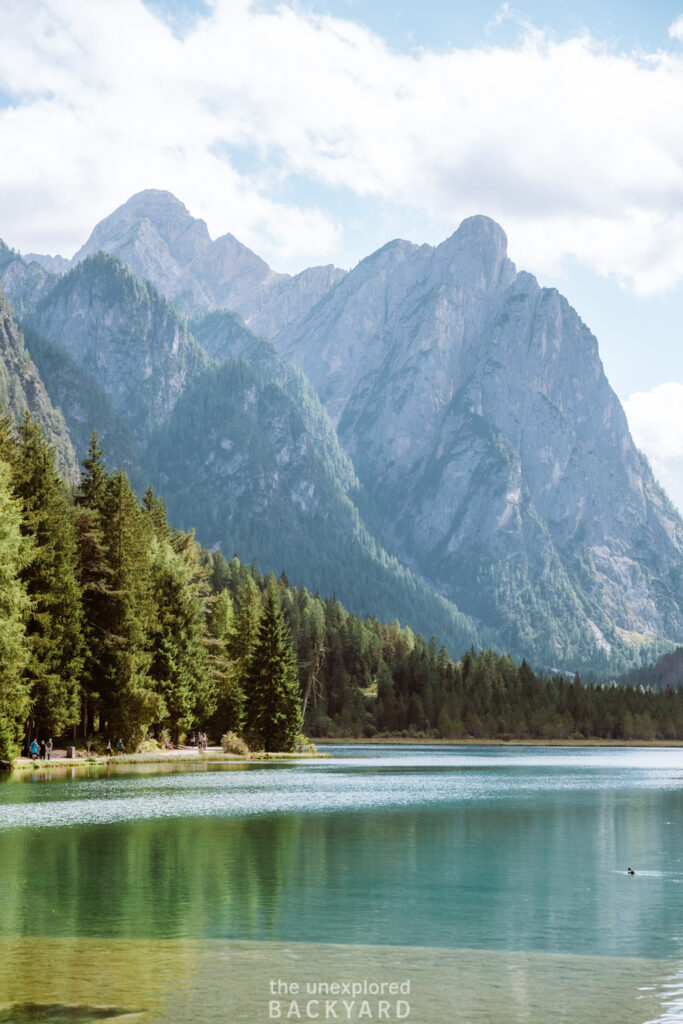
x: 40, y: 749
x: 120, y: 749
x: 199, y: 740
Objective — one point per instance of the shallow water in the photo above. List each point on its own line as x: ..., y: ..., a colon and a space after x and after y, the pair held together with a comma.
x: 496, y: 875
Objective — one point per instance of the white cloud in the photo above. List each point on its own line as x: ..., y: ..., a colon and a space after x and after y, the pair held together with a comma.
x: 676, y: 30
x: 575, y: 149
x: 656, y: 421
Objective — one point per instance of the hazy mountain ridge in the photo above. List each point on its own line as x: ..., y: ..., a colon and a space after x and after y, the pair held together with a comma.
x: 666, y: 672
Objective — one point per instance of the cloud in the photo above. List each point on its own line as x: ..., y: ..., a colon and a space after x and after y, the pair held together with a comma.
x: 576, y: 149
x: 676, y: 30
x: 656, y: 421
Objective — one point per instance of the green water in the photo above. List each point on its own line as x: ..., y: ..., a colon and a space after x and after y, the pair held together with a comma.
x: 494, y: 878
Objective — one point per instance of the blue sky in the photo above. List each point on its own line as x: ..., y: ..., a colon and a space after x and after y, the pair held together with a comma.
x: 316, y: 130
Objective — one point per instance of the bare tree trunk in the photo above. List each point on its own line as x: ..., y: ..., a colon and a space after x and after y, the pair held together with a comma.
x: 312, y: 683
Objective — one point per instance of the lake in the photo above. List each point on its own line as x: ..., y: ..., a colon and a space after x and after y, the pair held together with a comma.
x: 428, y: 883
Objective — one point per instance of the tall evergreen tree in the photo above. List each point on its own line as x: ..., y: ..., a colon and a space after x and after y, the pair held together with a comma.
x: 54, y: 628
x: 94, y: 478
x: 129, y: 702
x: 178, y: 667
x: 240, y: 640
x: 94, y: 577
x: 229, y: 714
x: 273, y: 705
x: 15, y: 553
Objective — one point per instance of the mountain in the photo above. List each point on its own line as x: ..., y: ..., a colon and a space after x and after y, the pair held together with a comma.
x: 667, y: 672
x: 22, y: 389
x: 237, y: 441
x: 431, y: 435
x: 161, y: 242
x: 238, y: 461
x: 493, y: 454
x: 23, y: 283
x: 125, y: 334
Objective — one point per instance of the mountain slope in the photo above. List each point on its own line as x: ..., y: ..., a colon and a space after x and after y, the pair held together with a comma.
x: 666, y: 673
x: 88, y: 407
x: 495, y: 457
x: 120, y: 330
x: 22, y: 389
x: 237, y: 460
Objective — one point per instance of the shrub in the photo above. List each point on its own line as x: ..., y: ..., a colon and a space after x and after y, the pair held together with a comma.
x: 148, y: 746
x: 234, y: 744
x: 304, y: 746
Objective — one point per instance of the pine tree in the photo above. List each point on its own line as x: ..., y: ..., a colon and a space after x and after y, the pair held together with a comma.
x: 94, y: 479
x: 178, y: 667
x: 94, y: 577
x: 239, y: 641
x: 15, y: 553
x: 129, y: 702
x: 54, y: 628
x: 272, y: 684
x: 229, y: 714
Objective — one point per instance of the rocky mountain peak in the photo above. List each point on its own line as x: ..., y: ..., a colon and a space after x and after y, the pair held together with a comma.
x: 154, y: 233
x: 151, y: 230
x: 475, y: 256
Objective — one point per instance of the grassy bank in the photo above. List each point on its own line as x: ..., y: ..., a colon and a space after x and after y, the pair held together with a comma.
x: 188, y: 757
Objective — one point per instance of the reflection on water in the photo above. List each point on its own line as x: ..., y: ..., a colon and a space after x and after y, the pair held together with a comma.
x: 494, y: 879
x: 177, y: 982
x: 453, y: 849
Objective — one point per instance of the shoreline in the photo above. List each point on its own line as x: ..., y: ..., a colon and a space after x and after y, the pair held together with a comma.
x: 192, y: 757
x: 470, y: 741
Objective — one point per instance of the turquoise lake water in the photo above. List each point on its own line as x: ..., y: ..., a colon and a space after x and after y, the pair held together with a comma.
x: 479, y: 859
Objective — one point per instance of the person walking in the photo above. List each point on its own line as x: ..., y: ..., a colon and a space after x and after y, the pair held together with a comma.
x: 33, y: 749
x: 48, y: 749
x: 108, y: 751
x: 43, y: 750
x: 120, y: 749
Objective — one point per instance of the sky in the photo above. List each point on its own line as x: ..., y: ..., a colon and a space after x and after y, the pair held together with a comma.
x: 317, y: 130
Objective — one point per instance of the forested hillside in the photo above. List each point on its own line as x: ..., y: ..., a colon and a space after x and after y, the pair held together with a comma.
x: 114, y: 623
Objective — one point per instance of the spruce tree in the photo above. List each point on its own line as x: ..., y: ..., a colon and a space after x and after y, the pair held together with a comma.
x: 54, y: 628
x: 94, y: 479
x: 178, y: 667
x: 15, y: 553
x: 239, y: 643
x: 129, y: 702
x: 94, y: 577
x: 229, y: 714
x: 273, y: 704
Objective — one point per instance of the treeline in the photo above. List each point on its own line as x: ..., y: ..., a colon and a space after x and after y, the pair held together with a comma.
x: 364, y: 677
x: 114, y: 623
x: 108, y: 621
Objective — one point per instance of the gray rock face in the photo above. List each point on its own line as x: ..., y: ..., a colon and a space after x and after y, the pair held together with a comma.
x: 119, y: 329
x: 496, y: 457
x: 21, y: 389
x: 53, y: 264
x: 224, y: 336
x: 156, y: 236
x: 23, y: 283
